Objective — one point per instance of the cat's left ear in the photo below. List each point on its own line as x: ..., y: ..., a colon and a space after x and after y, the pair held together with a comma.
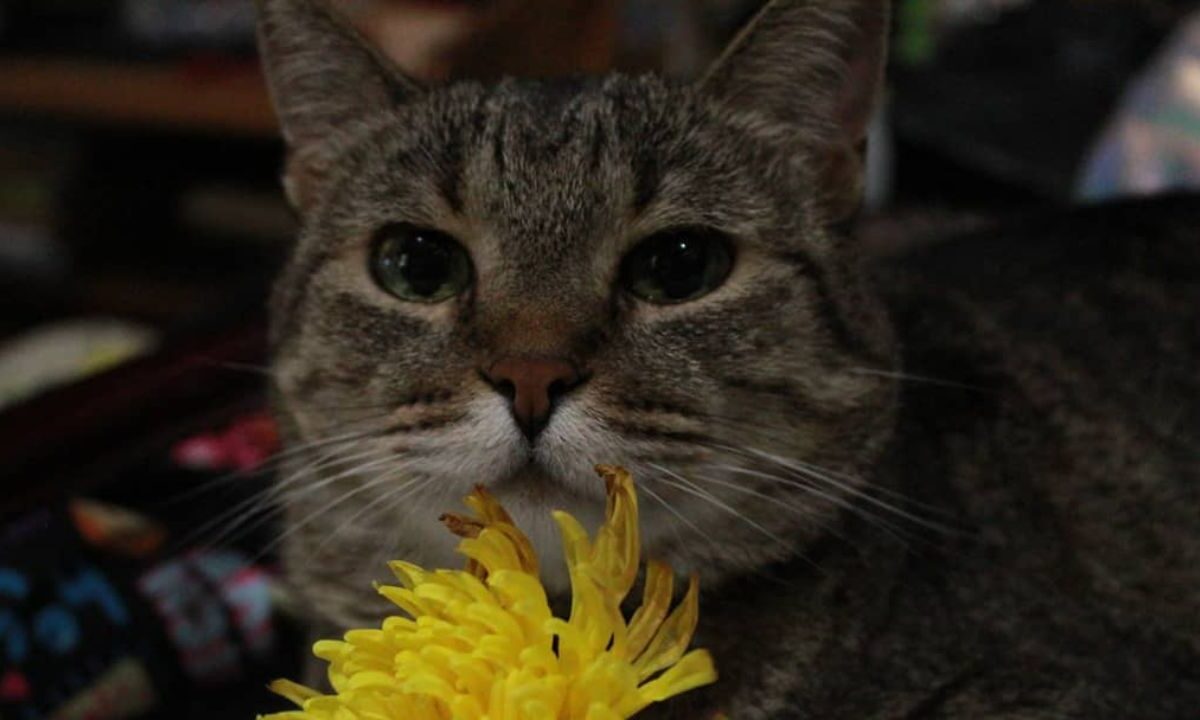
x: 323, y: 77
x: 815, y: 67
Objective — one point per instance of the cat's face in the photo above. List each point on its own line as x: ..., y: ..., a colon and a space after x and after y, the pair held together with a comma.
x: 507, y: 285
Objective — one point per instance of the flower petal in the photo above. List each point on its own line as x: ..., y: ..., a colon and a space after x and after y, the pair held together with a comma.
x: 696, y: 669
x: 674, y: 636
x: 656, y: 602
x: 617, y: 551
x: 292, y: 692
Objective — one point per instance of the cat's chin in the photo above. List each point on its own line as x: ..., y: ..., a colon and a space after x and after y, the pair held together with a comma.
x: 535, y: 484
x: 530, y: 478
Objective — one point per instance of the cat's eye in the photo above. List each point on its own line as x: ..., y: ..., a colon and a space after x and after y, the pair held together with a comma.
x: 419, y: 265
x: 677, y: 265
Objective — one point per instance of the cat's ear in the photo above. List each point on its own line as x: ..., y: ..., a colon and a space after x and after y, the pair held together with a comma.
x: 816, y: 67
x: 323, y: 76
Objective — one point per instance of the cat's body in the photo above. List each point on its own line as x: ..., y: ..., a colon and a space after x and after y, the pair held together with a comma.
x: 508, y: 284
x: 1054, y: 415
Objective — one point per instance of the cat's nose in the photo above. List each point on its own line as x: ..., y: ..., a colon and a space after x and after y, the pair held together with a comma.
x: 533, y: 387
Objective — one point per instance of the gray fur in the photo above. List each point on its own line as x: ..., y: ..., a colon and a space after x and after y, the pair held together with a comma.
x: 833, y: 590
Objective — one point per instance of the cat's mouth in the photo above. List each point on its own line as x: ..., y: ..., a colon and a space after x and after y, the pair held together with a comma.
x: 530, y: 476
x: 537, y: 483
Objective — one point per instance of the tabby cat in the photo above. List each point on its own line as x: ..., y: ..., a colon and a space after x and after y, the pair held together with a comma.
x: 961, y: 485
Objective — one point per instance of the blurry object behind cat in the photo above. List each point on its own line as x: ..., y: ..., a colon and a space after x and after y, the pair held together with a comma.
x: 208, y: 23
x: 1152, y: 144
x: 127, y: 28
x: 487, y: 38
x: 1017, y: 91
x: 67, y: 352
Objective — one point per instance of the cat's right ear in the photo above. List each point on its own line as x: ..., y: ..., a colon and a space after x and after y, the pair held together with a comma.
x: 323, y: 76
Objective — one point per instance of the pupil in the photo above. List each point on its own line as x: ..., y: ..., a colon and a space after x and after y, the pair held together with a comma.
x: 424, y: 264
x: 678, y: 268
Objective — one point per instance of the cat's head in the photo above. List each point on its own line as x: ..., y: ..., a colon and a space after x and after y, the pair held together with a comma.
x: 508, y: 284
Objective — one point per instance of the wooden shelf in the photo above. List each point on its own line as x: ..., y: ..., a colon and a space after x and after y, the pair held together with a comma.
x: 217, y: 99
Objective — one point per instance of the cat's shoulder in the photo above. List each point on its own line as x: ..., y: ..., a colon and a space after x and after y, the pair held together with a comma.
x: 1154, y: 239
x: 1110, y: 293
x: 1054, y: 395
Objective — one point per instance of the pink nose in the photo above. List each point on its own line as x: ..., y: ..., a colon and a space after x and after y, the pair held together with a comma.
x: 533, y: 386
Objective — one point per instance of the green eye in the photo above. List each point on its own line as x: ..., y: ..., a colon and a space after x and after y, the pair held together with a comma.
x: 678, y: 265
x: 420, y: 265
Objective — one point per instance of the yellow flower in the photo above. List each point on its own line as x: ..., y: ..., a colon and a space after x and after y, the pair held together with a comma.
x: 482, y: 644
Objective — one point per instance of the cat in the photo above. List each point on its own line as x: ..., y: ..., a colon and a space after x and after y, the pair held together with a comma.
x: 961, y: 483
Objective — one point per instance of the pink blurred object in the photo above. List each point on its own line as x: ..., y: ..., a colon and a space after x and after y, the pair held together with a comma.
x: 243, y: 446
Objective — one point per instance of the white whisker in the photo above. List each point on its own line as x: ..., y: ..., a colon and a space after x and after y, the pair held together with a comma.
x: 671, y: 509
x: 799, y: 510
x: 689, y: 487
x: 257, y: 503
x: 896, y: 375
x: 808, y: 471
x: 326, y: 507
x: 267, y: 465
x: 865, y: 486
x: 827, y: 496
x: 382, y: 504
x: 275, y: 493
x: 386, y: 551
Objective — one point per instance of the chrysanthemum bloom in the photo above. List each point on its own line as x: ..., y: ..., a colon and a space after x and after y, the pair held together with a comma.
x: 482, y: 644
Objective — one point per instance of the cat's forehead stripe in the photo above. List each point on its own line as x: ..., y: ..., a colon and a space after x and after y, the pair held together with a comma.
x: 526, y: 128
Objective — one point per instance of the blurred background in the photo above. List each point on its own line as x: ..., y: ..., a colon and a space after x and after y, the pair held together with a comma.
x: 141, y: 223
